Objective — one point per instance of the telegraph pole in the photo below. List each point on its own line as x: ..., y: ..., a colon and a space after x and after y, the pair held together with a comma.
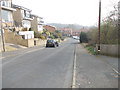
x: 1, y: 29
x: 99, y: 23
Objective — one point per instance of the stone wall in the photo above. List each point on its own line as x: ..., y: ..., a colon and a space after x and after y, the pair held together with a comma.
x: 111, y: 50
x: 11, y: 37
x: 41, y: 42
x: 38, y: 42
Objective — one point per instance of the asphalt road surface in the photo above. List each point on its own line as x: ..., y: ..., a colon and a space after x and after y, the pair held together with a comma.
x: 53, y: 68
x: 42, y: 68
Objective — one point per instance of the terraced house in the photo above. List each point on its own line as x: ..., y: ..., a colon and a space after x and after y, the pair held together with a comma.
x: 37, y: 23
x: 22, y: 18
x: 7, y: 14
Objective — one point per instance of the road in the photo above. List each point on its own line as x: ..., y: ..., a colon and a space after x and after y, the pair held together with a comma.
x: 44, y: 68
x: 53, y: 68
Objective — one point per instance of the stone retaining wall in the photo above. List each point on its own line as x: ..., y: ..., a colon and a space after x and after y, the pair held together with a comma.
x: 111, y: 50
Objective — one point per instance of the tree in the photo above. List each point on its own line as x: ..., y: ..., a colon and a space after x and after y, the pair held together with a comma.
x: 92, y: 35
x: 108, y: 32
x: 83, y: 37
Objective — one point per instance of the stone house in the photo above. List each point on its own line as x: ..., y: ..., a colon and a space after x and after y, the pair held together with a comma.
x: 37, y: 23
x: 22, y: 19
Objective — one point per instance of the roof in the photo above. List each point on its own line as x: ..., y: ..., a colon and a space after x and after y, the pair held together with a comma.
x: 36, y: 16
x: 50, y: 26
x: 21, y: 7
x: 66, y: 29
x: 8, y: 8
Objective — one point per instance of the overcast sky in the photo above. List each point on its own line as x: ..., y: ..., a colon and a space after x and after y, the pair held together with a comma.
x: 83, y: 12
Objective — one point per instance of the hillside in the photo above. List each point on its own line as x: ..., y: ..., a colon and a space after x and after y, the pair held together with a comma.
x: 73, y: 26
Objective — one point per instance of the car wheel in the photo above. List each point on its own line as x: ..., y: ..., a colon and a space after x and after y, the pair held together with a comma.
x: 54, y: 46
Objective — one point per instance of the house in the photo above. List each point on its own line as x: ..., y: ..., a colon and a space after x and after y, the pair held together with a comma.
x: 37, y: 23
x: 22, y: 19
x: 84, y: 29
x: 67, y: 31
x: 7, y: 14
x: 76, y: 33
x: 50, y: 28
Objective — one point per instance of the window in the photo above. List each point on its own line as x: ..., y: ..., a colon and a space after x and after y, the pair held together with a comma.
x: 40, y: 27
x: 26, y: 14
x: 6, y: 16
x: 38, y: 19
x: 26, y: 24
x: 6, y: 3
x: 3, y: 3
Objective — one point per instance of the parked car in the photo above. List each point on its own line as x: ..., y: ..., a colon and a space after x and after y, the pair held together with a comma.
x: 52, y: 43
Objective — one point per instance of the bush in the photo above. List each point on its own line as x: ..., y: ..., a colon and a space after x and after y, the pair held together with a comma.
x: 52, y: 37
x: 83, y: 37
x: 42, y: 37
x: 92, y: 36
x: 37, y: 35
x: 91, y: 49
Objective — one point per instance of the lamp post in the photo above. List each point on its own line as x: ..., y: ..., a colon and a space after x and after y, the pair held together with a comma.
x: 99, y: 22
x: 1, y: 29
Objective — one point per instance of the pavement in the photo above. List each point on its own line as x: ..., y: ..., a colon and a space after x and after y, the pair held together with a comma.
x: 11, y: 47
x: 95, y: 71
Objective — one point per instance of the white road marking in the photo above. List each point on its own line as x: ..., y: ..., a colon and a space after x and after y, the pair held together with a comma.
x: 74, y: 72
x: 115, y: 71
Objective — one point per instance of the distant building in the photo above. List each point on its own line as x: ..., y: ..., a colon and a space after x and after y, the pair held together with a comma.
x: 84, y: 30
x: 50, y: 28
x: 7, y: 13
x: 37, y: 23
x: 67, y: 31
x: 76, y: 33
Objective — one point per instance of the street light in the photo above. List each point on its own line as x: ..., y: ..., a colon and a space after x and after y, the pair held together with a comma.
x: 99, y: 22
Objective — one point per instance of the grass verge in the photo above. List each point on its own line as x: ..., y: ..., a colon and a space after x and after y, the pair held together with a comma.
x: 91, y: 49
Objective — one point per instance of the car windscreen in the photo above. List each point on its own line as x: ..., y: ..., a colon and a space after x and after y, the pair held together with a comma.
x: 50, y: 41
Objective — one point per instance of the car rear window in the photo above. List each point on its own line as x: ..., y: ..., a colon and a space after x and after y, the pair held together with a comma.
x: 49, y: 41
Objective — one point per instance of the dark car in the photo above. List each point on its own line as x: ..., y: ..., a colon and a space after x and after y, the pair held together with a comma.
x: 52, y: 43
